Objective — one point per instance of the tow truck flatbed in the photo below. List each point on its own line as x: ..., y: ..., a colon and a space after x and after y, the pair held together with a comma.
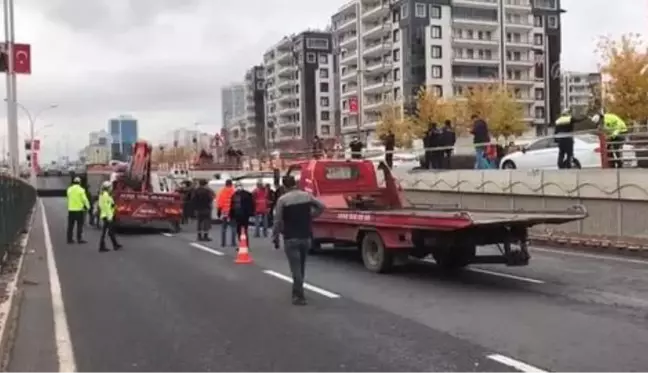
x: 387, y: 228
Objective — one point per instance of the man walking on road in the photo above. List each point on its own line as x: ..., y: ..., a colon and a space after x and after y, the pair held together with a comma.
x: 202, y: 200
x: 294, y: 215
x: 242, y: 209
x: 77, y: 203
x: 106, y: 214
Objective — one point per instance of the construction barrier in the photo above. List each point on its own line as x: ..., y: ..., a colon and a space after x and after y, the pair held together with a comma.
x: 17, y: 199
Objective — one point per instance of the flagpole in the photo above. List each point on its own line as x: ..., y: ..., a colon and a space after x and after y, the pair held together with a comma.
x: 12, y: 120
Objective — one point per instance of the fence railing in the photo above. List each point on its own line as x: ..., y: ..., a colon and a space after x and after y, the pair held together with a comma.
x: 17, y: 198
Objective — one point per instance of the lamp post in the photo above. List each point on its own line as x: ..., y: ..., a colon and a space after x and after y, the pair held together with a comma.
x: 32, y: 121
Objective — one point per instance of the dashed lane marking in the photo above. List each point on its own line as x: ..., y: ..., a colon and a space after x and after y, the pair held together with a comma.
x: 498, y: 274
x: 522, y: 367
x: 64, y: 349
x: 590, y: 256
x: 307, y: 286
x: 506, y: 275
x: 207, y: 249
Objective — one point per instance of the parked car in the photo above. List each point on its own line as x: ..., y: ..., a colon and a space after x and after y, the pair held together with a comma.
x: 543, y: 154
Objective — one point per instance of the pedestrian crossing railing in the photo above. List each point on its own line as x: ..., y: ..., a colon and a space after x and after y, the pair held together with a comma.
x: 17, y: 199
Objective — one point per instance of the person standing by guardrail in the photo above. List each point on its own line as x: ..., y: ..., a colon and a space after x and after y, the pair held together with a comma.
x: 356, y: 148
x: 202, y: 200
x: 107, y: 215
x: 77, y: 204
x: 481, y: 137
x: 389, y: 142
x: 448, y: 139
x: 615, y: 131
x: 564, y: 139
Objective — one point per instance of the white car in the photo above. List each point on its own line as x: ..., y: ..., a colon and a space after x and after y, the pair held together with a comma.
x: 543, y: 154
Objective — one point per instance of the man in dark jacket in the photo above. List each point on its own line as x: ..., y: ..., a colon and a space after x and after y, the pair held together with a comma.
x: 481, y: 137
x: 242, y: 209
x: 432, y: 140
x: 318, y: 147
x: 293, y: 219
x: 186, y: 191
x: 389, y: 142
x: 448, y: 139
x: 564, y: 138
x: 356, y: 148
x: 202, y: 200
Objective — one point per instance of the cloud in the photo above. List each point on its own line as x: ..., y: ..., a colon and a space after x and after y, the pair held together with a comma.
x: 164, y: 61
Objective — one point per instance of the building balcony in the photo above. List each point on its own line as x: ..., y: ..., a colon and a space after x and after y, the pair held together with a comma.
x: 348, y: 23
x: 286, y: 70
x: 350, y: 91
x: 483, y: 4
x: 285, y: 83
x: 524, y: 25
x: 474, y: 42
x: 466, y: 59
x: 377, y: 86
x: 377, y: 10
x: 349, y: 41
x: 376, y: 30
x: 351, y: 74
x: 378, y: 66
x: 376, y: 49
x: 476, y: 23
x: 521, y: 62
x: 350, y: 57
x: 472, y: 79
x: 524, y: 81
x: 288, y: 110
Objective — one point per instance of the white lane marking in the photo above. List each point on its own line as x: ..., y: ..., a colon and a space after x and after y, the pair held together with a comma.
x: 590, y: 256
x: 206, y: 249
x: 310, y: 287
x: 165, y: 234
x: 64, y: 348
x: 522, y: 367
x: 499, y: 274
x: 506, y: 275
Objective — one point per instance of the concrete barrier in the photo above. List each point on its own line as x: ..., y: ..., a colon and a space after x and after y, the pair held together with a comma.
x: 617, y: 200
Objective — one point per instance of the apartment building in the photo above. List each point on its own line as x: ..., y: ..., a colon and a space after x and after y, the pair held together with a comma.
x: 579, y: 90
x: 389, y: 48
x: 232, y: 102
x: 247, y: 130
x: 300, y: 88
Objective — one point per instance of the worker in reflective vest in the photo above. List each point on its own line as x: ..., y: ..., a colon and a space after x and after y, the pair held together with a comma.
x: 615, y: 131
x: 565, y: 140
x: 107, y: 217
x: 77, y: 204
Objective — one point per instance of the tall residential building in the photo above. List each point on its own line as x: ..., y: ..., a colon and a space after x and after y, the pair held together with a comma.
x: 389, y: 48
x: 579, y: 90
x: 300, y: 89
x: 124, y: 133
x: 101, y: 138
x: 247, y: 131
x: 232, y: 102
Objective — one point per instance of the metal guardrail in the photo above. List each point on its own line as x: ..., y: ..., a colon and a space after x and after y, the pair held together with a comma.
x: 17, y: 199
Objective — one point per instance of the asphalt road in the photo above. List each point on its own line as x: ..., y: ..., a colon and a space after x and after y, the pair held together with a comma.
x: 53, y: 182
x: 166, y: 304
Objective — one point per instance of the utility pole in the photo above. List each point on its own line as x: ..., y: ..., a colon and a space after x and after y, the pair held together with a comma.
x: 12, y: 111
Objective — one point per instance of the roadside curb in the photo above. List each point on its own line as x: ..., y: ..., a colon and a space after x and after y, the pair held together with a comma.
x: 610, y: 246
x: 9, y: 309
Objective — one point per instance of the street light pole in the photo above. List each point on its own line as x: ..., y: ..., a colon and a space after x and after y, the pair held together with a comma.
x: 12, y: 120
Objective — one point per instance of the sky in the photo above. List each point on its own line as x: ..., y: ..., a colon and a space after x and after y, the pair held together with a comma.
x: 164, y: 61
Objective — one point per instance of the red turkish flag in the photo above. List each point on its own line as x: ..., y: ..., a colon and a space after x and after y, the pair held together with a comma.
x: 22, y: 58
x: 353, y: 105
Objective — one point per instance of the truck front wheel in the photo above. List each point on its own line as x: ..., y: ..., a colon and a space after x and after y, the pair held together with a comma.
x: 374, y: 255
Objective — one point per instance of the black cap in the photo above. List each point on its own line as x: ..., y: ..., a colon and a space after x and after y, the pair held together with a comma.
x: 289, y: 181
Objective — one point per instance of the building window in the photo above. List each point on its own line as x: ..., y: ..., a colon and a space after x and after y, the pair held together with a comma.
x: 435, y: 11
x: 419, y: 11
x: 397, y: 74
x: 397, y: 94
x: 539, y: 112
x: 324, y: 87
x: 537, y: 21
x: 436, y: 32
x: 539, y: 94
x: 552, y: 22
x: 260, y: 85
x: 326, y: 130
x: 323, y: 59
x: 538, y: 39
x: 259, y: 74
x: 324, y: 73
x: 437, y: 71
x: 324, y: 101
x: 325, y: 115
x: 437, y: 90
x: 396, y: 37
x: 435, y: 51
x: 396, y: 54
x: 404, y: 11
x: 310, y: 57
x: 317, y: 43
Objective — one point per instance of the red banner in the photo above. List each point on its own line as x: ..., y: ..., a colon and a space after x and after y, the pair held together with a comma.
x: 22, y: 59
x: 36, y: 145
x: 353, y: 105
x: 34, y: 159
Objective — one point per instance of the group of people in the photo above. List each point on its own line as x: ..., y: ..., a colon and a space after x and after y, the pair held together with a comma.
x: 79, y: 204
x: 439, y: 144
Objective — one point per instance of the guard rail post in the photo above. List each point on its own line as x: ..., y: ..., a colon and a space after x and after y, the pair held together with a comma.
x: 17, y: 199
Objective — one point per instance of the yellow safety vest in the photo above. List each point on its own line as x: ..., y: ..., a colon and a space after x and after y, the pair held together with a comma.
x: 77, y: 200
x: 106, y: 206
x: 614, y: 125
x: 563, y: 120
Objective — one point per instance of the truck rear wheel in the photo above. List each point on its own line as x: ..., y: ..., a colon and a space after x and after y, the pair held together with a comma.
x: 453, y: 258
x: 374, y: 255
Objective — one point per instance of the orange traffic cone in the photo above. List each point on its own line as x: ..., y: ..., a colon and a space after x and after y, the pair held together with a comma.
x: 243, y: 256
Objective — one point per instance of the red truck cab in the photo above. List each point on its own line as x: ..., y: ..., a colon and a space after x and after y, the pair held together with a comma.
x: 375, y: 216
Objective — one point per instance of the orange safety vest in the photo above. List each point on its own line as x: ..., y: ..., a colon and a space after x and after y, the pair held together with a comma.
x: 224, y: 200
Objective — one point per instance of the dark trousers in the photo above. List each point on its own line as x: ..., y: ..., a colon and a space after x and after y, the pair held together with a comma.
x: 75, y: 218
x: 434, y: 159
x: 296, y: 252
x: 204, y: 221
x: 186, y: 213
x: 565, y: 152
x: 107, y: 228
x: 447, y: 155
x: 242, y: 225
x: 389, y: 159
x: 615, y: 155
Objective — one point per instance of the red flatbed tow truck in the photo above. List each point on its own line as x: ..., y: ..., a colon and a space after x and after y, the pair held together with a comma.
x: 388, y: 229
